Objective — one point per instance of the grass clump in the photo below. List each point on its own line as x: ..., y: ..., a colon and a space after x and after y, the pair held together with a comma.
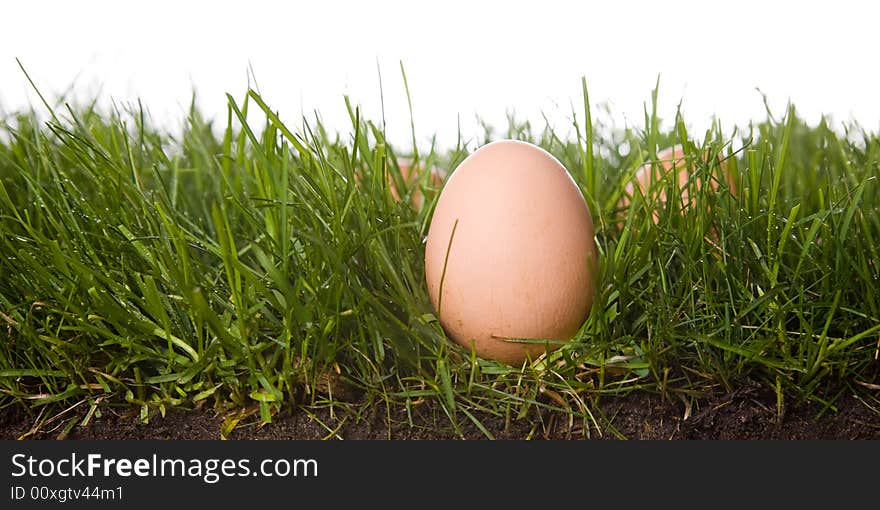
x: 252, y: 267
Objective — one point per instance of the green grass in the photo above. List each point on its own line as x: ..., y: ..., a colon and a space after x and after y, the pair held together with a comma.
x: 242, y: 267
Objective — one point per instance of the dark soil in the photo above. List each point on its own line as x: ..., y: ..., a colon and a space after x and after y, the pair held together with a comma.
x: 749, y: 413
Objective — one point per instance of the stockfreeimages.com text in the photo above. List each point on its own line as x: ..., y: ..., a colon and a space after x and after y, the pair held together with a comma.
x: 209, y: 470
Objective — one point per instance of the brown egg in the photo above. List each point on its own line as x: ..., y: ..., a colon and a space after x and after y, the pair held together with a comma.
x: 410, y: 177
x: 510, y: 253
x: 435, y: 179
x: 670, y: 158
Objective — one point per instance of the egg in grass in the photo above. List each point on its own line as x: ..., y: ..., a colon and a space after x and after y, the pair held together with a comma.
x: 510, y: 259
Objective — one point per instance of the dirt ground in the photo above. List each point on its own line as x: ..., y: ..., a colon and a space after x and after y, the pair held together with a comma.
x: 749, y: 413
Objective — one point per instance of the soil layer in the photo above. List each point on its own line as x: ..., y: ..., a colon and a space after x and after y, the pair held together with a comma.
x: 750, y: 413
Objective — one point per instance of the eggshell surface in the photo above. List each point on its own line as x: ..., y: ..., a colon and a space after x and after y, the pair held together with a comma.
x: 510, y: 253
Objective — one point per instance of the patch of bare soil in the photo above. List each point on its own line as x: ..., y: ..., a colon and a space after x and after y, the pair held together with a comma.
x: 749, y: 413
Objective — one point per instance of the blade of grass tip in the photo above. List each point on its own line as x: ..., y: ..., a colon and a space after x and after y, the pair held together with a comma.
x: 356, y: 120
x: 478, y: 424
x: 850, y: 211
x: 360, y: 143
x: 620, y: 250
x: 589, y: 176
x: 443, y: 273
x: 653, y: 123
x: 226, y: 145
x: 37, y: 90
x: 282, y: 203
x: 412, y: 123
x: 754, y: 182
x: 276, y: 122
x: 446, y: 384
x: 474, y: 367
x: 245, y: 127
x: 135, y: 174
x: 777, y: 174
x: 252, y: 77
x: 381, y: 95
x: 818, y: 221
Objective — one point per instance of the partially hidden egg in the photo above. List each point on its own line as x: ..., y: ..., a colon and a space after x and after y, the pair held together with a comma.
x: 510, y: 253
x: 672, y: 159
x: 410, y: 174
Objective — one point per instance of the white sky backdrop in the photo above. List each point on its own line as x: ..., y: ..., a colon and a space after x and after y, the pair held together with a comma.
x: 462, y: 58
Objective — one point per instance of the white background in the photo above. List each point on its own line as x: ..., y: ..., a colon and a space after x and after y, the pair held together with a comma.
x: 462, y: 58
